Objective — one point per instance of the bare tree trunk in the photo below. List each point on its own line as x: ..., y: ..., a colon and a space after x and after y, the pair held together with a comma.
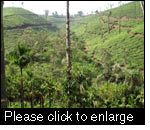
x: 49, y: 97
x: 68, y: 56
x: 41, y: 101
x: 108, y: 24
x: 135, y: 12
x: 68, y: 52
x: 142, y: 6
x: 3, y: 86
x: 108, y: 18
x: 32, y: 95
x: 22, y: 91
x: 119, y: 25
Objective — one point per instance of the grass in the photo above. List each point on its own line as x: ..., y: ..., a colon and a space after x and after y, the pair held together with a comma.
x: 123, y: 45
x: 139, y: 29
x: 19, y: 16
x: 131, y: 10
x: 14, y: 11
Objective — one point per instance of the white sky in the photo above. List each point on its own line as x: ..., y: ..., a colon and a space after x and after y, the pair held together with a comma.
x: 38, y: 7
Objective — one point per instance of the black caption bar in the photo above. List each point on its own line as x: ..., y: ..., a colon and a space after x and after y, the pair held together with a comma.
x: 72, y: 116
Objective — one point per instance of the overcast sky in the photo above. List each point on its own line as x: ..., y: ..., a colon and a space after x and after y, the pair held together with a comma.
x: 38, y: 7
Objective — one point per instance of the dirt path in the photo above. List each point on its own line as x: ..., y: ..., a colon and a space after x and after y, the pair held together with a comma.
x: 137, y: 34
x: 27, y: 25
x: 115, y: 24
x: 123, y: 18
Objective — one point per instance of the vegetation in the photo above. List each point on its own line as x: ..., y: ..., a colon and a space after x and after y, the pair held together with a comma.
x: 18, y: 16
x: 3, y: 86
x: 106, y: 67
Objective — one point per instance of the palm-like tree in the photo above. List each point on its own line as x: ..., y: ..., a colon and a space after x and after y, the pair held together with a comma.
x: 31, y: 82
x: 3, y: 89
x: 20, y: 56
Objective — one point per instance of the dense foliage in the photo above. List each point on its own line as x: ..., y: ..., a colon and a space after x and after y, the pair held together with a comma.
x: 107, y: 68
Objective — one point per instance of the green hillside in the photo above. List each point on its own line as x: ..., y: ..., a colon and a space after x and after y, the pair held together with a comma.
x: 107, y: 57
x: 131, y: 9
x: 17, y: 20
x: 124, y: 46
x: 14, y: 10
x: 19, y: 16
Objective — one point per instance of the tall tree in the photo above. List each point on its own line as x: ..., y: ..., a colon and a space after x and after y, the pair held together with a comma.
x: 68, y: 51
x: 142, y: 6
x: 80, y: 13
x: 55, y: 14
x: 68, y: 59
x: 46, y: 13
x: 20, y: 56
x: 31, y: 81
x: 3, y: 89
x: 22, y: 3
x: 119, y: 17
x: 108, y: 7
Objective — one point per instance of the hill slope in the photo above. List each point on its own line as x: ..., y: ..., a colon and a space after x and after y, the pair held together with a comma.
x: 122, y: 36
x: 107, y: 60
x: 131, y: 10
x: 19, y: 16
x: 17, y: 20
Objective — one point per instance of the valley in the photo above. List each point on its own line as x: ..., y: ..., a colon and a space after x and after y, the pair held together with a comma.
x: 107, y: 59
